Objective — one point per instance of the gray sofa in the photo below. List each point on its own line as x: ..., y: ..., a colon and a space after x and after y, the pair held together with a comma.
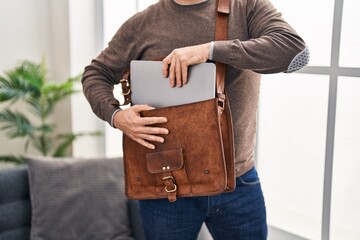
x: 16, y: 210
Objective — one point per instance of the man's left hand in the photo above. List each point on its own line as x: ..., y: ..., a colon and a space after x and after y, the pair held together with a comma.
x: 180, y: 59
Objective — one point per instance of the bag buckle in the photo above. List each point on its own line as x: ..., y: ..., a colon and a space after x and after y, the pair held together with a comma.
x: 127, y: 85
x: 221, y: 101
x: 170, y: 178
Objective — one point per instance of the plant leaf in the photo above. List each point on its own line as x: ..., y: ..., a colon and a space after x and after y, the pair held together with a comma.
x: 33, y: 73
x: 67, y: 139
x: 65, y: 143
x: 12, y: 159
x: 26, y: 79
x: 53, y: 94
x: 43, y: 143
x: 16, y: 124
x: 12, y: 88
x: 36, y: 105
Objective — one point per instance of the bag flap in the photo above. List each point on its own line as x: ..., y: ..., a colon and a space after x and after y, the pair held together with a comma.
x: 165, y: 161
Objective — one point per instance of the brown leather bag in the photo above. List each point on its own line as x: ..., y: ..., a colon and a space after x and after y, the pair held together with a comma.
x: 197, y: 157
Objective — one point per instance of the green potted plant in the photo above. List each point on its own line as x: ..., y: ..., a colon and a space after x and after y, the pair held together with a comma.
x: 28, y: 84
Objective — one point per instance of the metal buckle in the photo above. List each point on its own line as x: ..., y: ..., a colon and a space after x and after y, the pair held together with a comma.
x: 171, y: 190
x: 125, y: 81
x: 126, y: 85
x: 168, y: 178
x: 221, y: 103
x: 127, y: 93
x: 173, y: 181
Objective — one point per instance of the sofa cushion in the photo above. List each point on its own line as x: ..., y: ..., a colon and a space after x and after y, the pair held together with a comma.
x: 16, y: 234
x: 135, y: 220
x: 75, y: 199
x: 15, y: 211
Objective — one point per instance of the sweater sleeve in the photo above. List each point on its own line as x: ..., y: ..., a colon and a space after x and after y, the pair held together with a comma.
x: 106, y: 70
x: 273, y: 45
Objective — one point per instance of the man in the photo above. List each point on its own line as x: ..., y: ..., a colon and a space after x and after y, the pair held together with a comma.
x: 260, y: 41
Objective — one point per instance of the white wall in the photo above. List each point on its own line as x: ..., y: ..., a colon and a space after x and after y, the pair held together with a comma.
x: 85, y: 18
x: 25, y: 34
x: 64, y: 32
x: 25, y: 31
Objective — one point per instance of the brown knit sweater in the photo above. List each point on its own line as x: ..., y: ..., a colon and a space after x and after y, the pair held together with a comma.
x: 260, y: 41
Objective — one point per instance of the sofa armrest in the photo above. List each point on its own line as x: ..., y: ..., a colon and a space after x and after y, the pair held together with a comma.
x: 135, y: 220
x: 15, y: 209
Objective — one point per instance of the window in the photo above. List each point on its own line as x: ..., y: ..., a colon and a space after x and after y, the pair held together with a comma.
x: 291, y: 150
x: 350, y: 37
x: 345, y: 209
x: 308, y: 163
x: 313, y: 21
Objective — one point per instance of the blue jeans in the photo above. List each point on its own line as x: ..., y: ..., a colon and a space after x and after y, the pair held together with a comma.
x: 236, y: 215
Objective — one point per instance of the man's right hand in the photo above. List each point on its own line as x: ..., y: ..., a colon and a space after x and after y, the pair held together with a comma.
x: 138, y: 128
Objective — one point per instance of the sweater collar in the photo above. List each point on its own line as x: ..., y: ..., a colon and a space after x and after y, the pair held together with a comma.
x: 195, y: 6
x: 176, y: 1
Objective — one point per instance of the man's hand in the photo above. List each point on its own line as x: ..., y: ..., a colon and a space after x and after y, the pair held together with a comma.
x: 137, y: 128
x: 180, y: 59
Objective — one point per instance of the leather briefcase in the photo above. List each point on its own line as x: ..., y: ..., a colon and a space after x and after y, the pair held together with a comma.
x: 197, y: 157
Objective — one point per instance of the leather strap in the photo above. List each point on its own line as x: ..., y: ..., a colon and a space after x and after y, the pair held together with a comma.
x: 170, y: 186
x: 221, y: 33
x: 125, y: 90
x: 224, y: 6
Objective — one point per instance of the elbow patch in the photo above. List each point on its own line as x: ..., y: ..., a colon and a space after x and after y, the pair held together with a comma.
x: 299, y: 61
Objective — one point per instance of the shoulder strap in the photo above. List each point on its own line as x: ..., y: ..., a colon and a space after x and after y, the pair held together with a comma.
x: 221, y: 33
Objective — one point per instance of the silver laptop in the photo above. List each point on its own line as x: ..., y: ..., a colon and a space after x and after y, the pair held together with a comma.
x: 148, y: 86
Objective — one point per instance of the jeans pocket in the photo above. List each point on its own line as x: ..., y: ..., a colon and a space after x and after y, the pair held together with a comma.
x: 249, y: 178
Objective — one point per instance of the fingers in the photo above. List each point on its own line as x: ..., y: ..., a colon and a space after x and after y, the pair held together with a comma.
x: 143, y: 138
x: 141, y: 108
x: 178, y: 69
x: 144, y: 143
x: 165, y: 67
x: 139, y: 128
x: 145, y: 134
x: 181, y: 72
x: 152, y: 138
x: 175, y: 65
x: 144, y: 121
x: 177, y: 73
x: 184, y: 74
x: 172, y: 71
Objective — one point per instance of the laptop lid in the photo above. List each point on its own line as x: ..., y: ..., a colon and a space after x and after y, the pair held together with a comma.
x: 148, y: 86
